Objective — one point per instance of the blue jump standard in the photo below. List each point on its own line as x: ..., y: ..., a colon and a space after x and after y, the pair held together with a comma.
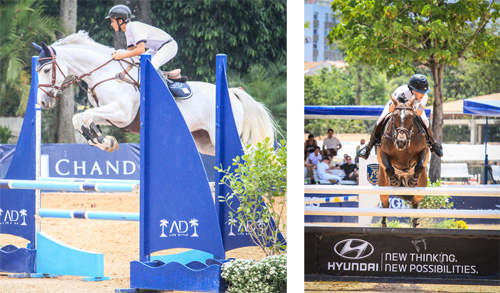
x: 88, y: 215
x: 68, y: 186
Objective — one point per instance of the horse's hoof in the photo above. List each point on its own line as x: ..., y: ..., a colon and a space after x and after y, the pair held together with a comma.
x: 412, y: 182
x: 114, y: 144
x: 394, y: 181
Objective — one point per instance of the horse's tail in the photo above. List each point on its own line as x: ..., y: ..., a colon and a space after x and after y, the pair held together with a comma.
x: 257, y: 121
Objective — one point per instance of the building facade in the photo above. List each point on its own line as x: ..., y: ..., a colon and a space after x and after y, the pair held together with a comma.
x: 318, y: 14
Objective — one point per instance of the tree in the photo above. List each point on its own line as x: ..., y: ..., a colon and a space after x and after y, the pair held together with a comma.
x: 66, y: 106
x: 249, y: 32
x: 471, y: 79
x: 267, y: 84
x: 21, y: 22
x: 399, y: 35
x: 319, y: 89
x: 141, y: 10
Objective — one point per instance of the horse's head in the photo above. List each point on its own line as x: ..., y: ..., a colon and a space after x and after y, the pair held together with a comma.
x: 402, y: 120
x: 51, y: 76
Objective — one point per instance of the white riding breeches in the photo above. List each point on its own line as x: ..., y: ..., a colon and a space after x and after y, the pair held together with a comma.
x: 165, y: 54
x: 386, y: 111
x: 329, y: 176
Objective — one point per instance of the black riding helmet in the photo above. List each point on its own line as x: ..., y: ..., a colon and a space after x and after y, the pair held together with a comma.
x: 419, y: 83
x: 120, y: 12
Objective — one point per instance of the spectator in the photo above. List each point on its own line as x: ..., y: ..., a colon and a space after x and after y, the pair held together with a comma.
x: 311, y: 163
x: 345, y: 160
x: 350, y: 169
x: 309, y: 145
x: 324, y: 172
x: 331, y: 144
x: 360, y: 146
x: 315, y: 157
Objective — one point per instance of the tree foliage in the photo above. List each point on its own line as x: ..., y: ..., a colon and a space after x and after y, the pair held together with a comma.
x: 256, y: 178
x: 396, y: 35
x: 249, y: 32
x: 330, y: 87
x: 21, y: 22
x: 270, y: 91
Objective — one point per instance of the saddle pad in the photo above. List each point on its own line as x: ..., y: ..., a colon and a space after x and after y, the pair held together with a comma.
x: 180, y: 90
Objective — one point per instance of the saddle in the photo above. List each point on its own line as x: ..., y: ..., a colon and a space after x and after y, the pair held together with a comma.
x: 177, y: 84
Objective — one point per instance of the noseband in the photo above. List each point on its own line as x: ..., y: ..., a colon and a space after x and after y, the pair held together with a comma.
x: 58, y: 89
x: 403, y: 130
x: 77, y: 79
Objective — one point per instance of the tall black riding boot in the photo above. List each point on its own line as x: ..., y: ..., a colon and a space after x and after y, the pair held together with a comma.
x: 436, y: 147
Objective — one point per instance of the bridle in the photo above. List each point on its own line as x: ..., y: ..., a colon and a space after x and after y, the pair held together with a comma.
x: 78, y: 79
x: 398, y: 130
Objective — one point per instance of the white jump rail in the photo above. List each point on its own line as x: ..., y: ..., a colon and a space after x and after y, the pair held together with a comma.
x: 424, y: 213
x: 452, y: 191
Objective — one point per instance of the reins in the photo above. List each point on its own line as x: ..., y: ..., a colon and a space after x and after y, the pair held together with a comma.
x: 122, y: 76
x: 396, y: 130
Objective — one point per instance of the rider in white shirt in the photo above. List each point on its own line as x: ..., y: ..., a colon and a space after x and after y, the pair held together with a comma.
x: 162, y: 47
x: 418, y: 86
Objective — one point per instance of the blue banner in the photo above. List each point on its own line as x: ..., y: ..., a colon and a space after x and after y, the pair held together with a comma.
x: 84, y: 161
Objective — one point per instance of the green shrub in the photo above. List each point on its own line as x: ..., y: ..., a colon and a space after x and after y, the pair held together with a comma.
x: 5, y: 135
x: 439, y: 202
x: 259, y: 177
x: 268, y: 275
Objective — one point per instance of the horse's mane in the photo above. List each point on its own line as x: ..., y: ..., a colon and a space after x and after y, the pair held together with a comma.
x: 80, y: 38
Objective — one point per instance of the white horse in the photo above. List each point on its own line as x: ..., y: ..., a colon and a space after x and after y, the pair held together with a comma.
x: 77, y: 57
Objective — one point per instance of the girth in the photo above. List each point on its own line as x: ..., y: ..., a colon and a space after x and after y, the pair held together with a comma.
x: 134, y: 126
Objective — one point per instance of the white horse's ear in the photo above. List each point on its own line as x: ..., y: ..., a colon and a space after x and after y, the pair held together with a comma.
x: 38, y: 48
x: 46, y: 50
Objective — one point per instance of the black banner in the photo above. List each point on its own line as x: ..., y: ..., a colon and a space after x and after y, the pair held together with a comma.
x: 402, y: 253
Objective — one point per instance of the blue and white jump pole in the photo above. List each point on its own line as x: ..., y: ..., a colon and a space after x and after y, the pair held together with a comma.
x: 88, y: 215
x: 69, y: 186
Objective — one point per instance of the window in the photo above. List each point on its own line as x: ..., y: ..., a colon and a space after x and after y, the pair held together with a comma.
x: 315, y: 31
x: 316, y: 14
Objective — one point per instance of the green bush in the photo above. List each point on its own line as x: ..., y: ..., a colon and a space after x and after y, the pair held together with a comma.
x: 439, y: 202
x: 259, y: 178
x: 268, y: 275
x: 5, y: 135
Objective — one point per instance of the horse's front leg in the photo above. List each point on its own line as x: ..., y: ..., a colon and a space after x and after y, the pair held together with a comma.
x: 87, y: 124
x: 414, y: 203
x: 384, y: 198
x: 389, y: 170
x: 419, y: 168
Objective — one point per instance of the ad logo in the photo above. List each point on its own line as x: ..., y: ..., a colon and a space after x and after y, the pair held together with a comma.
x: 13, y: 217
x: 353, y: 248
x: 178, y: 228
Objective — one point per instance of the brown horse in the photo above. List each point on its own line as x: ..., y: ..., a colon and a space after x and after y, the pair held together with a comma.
x: 403, y: 154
